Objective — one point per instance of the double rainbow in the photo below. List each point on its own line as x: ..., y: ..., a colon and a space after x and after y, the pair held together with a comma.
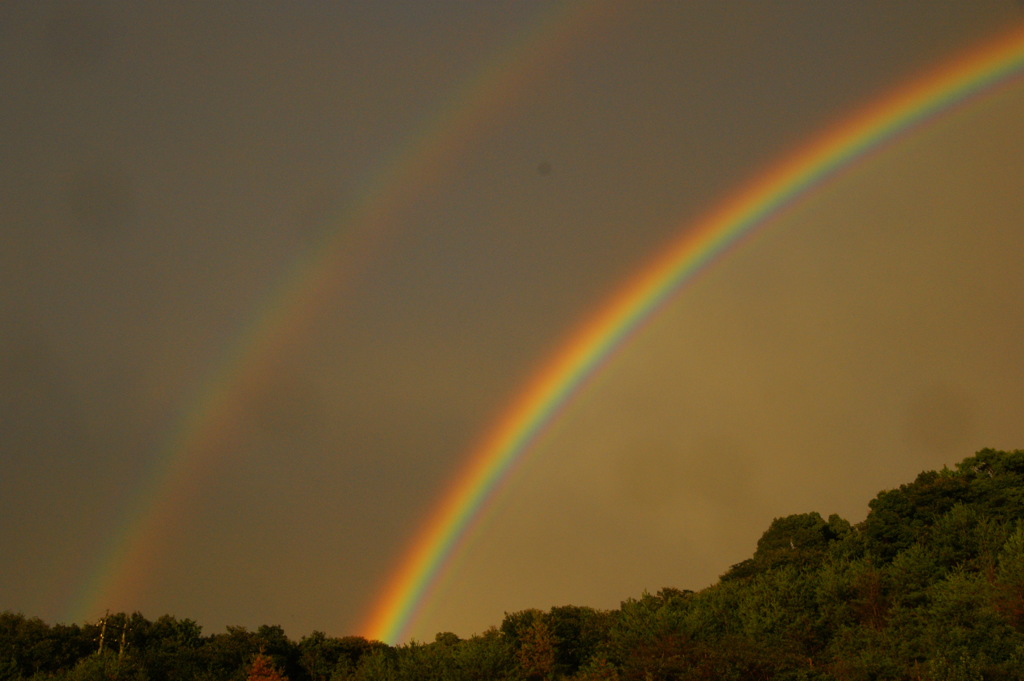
x: 997, y: 63
x: 193, y: 446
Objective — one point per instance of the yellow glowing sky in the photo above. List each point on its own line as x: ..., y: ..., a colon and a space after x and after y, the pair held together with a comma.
x: 870, y: 335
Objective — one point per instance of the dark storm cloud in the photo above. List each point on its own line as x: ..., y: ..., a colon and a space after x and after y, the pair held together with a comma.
x: 78, y: 37
x: 38, y: 413
x: 100, y: 201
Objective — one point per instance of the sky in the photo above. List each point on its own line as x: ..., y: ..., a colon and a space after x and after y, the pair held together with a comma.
x: 269, y: 273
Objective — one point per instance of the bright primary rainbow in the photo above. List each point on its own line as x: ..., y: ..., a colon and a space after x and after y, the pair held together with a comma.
x: 998, y: 62
x: 194, y: 445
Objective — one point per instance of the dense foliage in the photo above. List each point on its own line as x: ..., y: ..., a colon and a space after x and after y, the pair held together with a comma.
x: 929, y: 586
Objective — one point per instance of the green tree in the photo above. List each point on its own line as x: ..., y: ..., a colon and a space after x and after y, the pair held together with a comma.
x: 319, y: 655
x: 377, y: 665
x: 647, y: 637
x: 351, y: 650
x: 911, y: 573
x: 169, y: 649
x: 598, y: 668
x: 25, y: 646
x: 107, y: 666
x: 778, y: 608
x: 225, y: 656
x: 1010, y: 580
x: 864, y: 654
x: 487, y: 656
x: 578, y: 633
x: 428, y: 661
x: 962, y: 631
x: 899, y: 517
x: 966, y: 536
x: 535, y: 645
x: 802, y: 540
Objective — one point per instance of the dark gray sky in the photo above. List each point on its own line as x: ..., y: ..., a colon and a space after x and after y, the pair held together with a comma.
x: 165, y: 166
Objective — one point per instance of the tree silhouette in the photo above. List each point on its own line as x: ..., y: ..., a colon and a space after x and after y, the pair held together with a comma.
x: 262, y: 669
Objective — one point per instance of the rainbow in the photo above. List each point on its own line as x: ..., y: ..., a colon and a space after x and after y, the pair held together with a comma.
x: 996, y: 63
x: 194, y: 445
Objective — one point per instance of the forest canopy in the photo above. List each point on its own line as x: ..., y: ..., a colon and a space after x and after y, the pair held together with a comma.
x: 929, y: 586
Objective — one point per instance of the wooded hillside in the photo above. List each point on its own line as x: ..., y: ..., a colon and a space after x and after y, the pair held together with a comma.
x: 929, y: 586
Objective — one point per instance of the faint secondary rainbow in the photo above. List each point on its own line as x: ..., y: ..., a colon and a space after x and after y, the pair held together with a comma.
x: 193, y: 446
x: 998, y: 62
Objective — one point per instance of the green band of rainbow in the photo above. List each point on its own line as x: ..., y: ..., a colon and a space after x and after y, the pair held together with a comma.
x: 997, y: 62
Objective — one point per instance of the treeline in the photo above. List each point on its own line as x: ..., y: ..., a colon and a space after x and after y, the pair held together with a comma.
x: 929, y: 586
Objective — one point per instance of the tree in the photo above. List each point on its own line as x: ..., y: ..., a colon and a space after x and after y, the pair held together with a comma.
x: 227, y: 655
x: 577, y: 632
x: 377, y: 665
x: 648, y: 636
x: 262, y: 669
x: 898, y: 517
x: 962, y: 631
x: 169, y: 649
x: 536, y: 651
x: 487, y: 656
x: 1009, y: 599
x: 319, y: 655
x: 350, y: 652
